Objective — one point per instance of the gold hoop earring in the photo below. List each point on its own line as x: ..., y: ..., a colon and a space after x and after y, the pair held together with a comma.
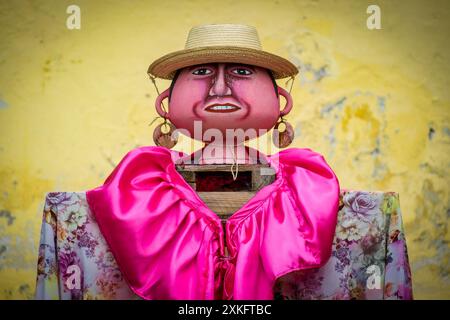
x: 285, y: 138
x: 168, y: 139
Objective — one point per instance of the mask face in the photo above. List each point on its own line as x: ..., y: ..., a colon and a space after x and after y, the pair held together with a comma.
x: 224, y: 96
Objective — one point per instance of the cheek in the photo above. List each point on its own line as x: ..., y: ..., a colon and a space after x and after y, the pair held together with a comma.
x: 259, y: 95
x: 185, y: 95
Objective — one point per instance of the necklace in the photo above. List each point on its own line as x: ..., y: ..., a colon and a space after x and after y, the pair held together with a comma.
x: 234, y: 165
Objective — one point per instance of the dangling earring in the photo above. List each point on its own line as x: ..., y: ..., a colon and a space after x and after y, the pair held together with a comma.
x: 168, y: 139
x: 285, y: 138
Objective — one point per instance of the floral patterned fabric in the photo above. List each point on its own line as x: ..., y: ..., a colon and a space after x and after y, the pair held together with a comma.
x: 369, y: 257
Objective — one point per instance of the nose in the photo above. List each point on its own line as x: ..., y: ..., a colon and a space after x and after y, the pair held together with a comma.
x: 220, y: 86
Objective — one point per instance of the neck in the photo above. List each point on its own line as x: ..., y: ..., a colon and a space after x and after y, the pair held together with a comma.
x: 217, y: 153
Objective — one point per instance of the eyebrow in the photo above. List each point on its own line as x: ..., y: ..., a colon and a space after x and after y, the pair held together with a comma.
x: 243, y: 65
x: 201, y: 65
x: 231, y: 65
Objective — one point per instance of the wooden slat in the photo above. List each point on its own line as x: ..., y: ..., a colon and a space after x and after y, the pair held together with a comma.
x: 219, y: 167
x: 261, y: 174
x: 226, y: 203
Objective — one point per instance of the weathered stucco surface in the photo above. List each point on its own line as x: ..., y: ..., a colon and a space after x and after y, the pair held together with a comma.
x: 375, y: 103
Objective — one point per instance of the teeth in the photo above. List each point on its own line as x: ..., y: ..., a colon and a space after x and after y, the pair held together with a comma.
x: 222, y: 108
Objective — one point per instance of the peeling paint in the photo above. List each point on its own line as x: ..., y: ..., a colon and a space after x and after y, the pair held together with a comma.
x: 331, y: 106
x: 24, y: 288
x: 8, y: 216
x: 3, y: 249
x: 3, y: 104
x: 381, y: 102
x: 446, y: 131
x: 431, y: 133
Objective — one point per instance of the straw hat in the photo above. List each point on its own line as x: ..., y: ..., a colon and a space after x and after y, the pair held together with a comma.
x: 214, y: 43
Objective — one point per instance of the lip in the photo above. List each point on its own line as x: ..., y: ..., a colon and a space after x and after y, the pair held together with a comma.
x: 233, y: 109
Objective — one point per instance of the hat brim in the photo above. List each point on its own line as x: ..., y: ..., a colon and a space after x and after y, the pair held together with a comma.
x: 166, y: 66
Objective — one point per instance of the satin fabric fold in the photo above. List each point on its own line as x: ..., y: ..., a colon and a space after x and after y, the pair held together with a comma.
x: 169, y: 245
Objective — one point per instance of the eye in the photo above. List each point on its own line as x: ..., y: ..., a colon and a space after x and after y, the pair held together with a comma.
x: 202, y: 71
x: 241, y: 71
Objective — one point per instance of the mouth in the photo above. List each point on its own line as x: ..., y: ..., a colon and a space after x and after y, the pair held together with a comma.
x: 222, y: 108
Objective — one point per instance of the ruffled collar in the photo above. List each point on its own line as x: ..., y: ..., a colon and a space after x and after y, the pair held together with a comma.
x: 169, y: 244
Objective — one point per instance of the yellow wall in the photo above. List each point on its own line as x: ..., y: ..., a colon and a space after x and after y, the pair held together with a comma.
x: 374, y: 102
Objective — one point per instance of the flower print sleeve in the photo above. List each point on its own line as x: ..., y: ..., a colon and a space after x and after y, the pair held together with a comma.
x: 74, y: 260
x: 397, y: 284
x: 47, y: 276
x: 369, y: 256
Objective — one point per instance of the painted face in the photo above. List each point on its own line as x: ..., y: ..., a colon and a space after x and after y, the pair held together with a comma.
x: 224, y: 96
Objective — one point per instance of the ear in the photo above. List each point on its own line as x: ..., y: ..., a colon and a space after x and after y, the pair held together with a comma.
x: 287, y: 108
x: 163, y: 95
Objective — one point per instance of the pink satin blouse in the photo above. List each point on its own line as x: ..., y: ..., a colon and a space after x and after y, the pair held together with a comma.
x: 169, y: 245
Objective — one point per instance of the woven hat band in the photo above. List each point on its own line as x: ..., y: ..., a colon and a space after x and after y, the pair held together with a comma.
x: 223, y: 35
